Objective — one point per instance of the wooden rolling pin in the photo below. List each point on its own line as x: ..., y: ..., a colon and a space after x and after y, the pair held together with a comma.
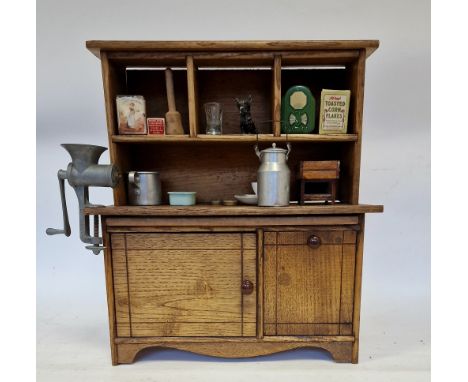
x: 173, y: 118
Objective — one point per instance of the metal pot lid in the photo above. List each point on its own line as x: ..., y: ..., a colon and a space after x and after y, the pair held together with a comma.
x: 274, y: 149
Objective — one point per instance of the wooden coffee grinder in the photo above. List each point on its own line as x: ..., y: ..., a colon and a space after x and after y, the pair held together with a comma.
x: 317, y: 180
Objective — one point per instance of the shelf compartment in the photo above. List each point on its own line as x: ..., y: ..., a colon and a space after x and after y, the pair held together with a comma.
x: 222, y: 170
x: 317, y: 78
x: 234, y: 138
x: 151, y: 84
x: 223, y: 85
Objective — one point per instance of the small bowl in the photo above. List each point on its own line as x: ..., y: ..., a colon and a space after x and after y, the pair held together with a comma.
x: 229, y: 202
x: 254, y: 187
x: 182, y: 198
x: 247, y: 199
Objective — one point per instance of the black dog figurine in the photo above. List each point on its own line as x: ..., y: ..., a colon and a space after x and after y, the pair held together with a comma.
x: 247, y: 125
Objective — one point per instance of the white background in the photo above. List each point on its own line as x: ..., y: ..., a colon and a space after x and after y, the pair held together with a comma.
x: 72, y: 332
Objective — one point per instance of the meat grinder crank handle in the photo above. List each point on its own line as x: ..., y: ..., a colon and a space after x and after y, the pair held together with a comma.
x: 62, y: 175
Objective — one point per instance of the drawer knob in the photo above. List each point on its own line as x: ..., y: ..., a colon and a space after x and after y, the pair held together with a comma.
x: 313, y: 241
x: 247, y: 287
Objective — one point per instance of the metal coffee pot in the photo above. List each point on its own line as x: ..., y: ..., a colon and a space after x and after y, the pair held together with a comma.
x: 144, y: 188
x: 273, y: 176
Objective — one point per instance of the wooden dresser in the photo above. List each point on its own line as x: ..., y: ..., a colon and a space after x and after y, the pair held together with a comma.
x: 236, y: 281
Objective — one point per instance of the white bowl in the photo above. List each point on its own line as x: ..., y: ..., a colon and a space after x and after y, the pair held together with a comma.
x: 247, y: 199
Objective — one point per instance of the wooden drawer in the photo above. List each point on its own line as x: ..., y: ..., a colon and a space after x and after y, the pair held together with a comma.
x: 340, y: 236
x: 182, y: 241
x: 184, y: 284
x: 309, y: 282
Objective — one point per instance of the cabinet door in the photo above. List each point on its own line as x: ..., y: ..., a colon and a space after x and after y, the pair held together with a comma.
x: 184, y: 284
x: 309, y: 282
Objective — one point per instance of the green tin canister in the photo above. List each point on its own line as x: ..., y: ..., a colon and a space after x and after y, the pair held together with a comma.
x: 298, y: 111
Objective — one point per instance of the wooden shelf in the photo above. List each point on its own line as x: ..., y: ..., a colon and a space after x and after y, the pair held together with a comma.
x: 202, y: 138
x: 241, y: 210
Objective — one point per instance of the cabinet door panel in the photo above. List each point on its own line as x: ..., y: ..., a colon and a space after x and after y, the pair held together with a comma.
x: 185, y: 284
x: 309, y: 282
x: 309, y: 289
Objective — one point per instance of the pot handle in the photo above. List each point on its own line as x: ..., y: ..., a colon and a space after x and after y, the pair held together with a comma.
x: 288, y: 145
x: 134, y: 178
x: 257, y: 151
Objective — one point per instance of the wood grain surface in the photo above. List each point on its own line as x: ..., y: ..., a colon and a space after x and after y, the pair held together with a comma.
x: 340, y: 351
x: 204, y: 210
x: 174, y: 274
x: 308, y: 291
x: 95, y: 46
x: 181, y: 288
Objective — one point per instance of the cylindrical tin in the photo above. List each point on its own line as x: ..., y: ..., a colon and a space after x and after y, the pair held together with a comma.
x: 144, y: 188
x: 273, y: 177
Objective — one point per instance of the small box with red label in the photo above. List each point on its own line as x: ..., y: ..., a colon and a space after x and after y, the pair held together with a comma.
x: 156, y: 126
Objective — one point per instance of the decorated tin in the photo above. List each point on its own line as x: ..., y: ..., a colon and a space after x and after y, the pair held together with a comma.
x: 298, y: 111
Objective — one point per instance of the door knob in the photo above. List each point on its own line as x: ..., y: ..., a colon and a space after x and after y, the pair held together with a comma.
x: 247, y: 287
x: 313, y: 241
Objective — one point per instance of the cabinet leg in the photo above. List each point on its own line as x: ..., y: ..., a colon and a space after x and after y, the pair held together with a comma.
x: 341, y: 352
x: 355, y: 357
x: 126, y: 353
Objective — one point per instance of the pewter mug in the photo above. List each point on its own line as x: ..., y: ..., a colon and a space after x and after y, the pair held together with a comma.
x: 273, y: 176
x: 144, y: 188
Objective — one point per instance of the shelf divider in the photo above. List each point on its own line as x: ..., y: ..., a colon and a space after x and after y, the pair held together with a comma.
x: 277, y: 96
x: 192, y: 96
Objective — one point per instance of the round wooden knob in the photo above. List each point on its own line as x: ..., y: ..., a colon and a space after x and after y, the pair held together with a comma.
x: 314, y: 241
x: 247, y: 287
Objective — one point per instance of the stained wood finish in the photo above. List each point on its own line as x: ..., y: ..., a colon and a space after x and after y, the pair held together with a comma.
x: 353, y: 159
x: 357, y: 289
x: 277, y: 96
x: 96, y: 46
x: 340, y: 351
x: 260, y: 283
x: 113, y: 79
x: 110, y: 292
x: 192, y: 96
x: 174, y: 274
x: 232, y: 138
x: 122, y: 305
x: 204, y: 210
x: 308, y: 290
x: 200, y: 296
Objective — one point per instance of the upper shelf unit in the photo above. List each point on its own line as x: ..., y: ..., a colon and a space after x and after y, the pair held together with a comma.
x: 221, y: 71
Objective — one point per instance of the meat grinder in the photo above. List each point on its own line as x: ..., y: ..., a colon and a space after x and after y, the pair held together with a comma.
x: 82, y: 173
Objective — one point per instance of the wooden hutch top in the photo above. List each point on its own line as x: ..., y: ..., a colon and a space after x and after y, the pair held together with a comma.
x: 217, y: 167
x: 96, y: 46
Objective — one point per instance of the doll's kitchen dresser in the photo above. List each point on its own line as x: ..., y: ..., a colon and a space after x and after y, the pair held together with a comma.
x: 232, y: 281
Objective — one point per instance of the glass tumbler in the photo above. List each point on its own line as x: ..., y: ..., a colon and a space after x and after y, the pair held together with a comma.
x: 214, y: 118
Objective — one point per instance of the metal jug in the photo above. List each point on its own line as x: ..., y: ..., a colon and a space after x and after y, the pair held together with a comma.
x: 273, y: 176
x: 144, y: 188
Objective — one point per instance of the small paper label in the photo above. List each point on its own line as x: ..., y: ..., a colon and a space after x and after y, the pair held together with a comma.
x: 156, y: 126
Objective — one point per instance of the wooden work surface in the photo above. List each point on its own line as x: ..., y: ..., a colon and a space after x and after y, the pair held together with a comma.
x: 208, y: 210
x: 96, y: 46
